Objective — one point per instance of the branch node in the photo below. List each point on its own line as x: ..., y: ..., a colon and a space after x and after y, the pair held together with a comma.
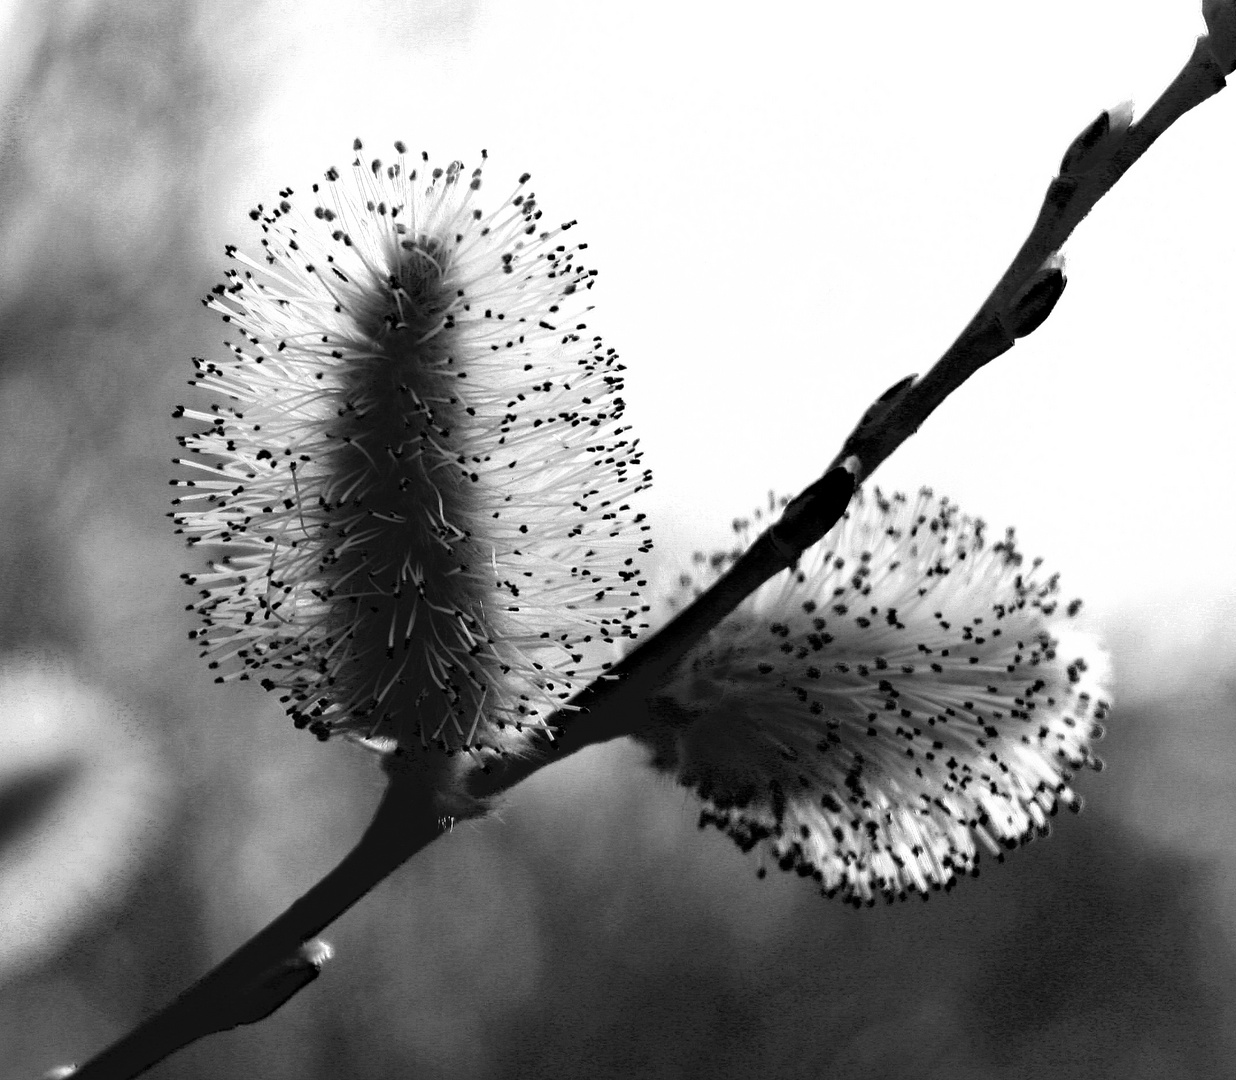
x: 1220, y: 16
x: 1095, y: 146
x: 808, y: 517
x: 1035, y: 300
x: 276, y: 986
x: 878, y: 411
x: 1060, y: 192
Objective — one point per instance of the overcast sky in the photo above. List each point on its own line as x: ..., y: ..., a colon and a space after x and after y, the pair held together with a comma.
x: 792, y: 206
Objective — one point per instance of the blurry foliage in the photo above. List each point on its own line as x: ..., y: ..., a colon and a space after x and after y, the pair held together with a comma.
x: 587, y: 929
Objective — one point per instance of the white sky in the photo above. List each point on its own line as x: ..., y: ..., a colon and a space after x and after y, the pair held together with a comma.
x: 792, y: 206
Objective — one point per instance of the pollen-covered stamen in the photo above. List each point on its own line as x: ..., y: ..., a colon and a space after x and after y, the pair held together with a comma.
x: 908, y: 693
x: 422, y: 484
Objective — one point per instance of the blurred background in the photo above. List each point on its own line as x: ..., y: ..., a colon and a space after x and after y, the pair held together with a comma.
x: 792, y: 206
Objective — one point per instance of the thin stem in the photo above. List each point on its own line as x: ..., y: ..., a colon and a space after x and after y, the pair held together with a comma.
x: 1067, y: 202
x: 406, y: 821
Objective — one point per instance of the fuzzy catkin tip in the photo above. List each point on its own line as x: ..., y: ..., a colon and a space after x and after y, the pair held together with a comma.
x: 910, y: 694
x: 414, y: 476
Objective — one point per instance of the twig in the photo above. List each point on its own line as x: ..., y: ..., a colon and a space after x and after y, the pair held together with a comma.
x: 1068, y: 200
x: 269, y: 969
x: 1020, y: 302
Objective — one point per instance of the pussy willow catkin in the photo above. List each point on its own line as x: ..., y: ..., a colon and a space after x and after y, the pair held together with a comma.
x: 413, y: 477
x: 911, y: 693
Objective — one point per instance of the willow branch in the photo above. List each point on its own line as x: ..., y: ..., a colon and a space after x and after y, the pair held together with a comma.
x: 270, y: 968
x: 1018, y: 304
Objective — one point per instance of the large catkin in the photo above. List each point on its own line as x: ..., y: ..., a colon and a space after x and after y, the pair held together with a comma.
x: 415, y: 480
